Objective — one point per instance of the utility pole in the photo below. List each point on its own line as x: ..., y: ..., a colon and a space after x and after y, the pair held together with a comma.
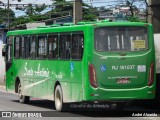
x: 154, y: 16
x: 149, y: 16
x: 8, y: 16
x: 77, y: 11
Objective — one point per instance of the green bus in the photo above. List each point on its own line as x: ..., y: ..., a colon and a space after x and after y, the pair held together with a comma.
x: 87, y: 62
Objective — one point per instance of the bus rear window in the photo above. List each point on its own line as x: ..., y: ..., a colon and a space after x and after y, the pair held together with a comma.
x: 121, y: 38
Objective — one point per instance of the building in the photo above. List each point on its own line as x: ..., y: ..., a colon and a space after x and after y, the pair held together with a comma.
x: 120, y: 13
x: 58, y: 20
x: 106, y: 15
x: 3, y: 31
x: 115, y: 13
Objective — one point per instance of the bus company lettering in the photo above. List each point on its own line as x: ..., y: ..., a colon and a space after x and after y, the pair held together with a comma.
x: 41, y: 72
x: 123, y: 67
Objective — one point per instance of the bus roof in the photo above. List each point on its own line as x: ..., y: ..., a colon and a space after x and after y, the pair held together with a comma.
x: 71, y: 27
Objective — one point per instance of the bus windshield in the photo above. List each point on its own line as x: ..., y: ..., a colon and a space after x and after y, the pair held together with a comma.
x: 121, y: 38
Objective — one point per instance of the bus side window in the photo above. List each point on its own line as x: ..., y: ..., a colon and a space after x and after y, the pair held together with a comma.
x: 27, y: 47
x: 33, y: 47
x: 17, y: 47
x: 22, y: 48
x: 101, y: 40
x: 64, y: 48
x: 42, y: 46
x: 10, y: 40
x: 53, y: 47
x: 77, y: 46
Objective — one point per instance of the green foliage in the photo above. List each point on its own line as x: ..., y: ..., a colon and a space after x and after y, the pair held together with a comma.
x: 133, y: 19
x: 4, y: 16
x: 21, y: 20
x: 30, y: 10
x: 134, y: 11
x: 61, y: 8
x: 89, y: 13
x: 27, y: 19
x: 40, y: 8
x: 64, y: 7
x: 32, y: 15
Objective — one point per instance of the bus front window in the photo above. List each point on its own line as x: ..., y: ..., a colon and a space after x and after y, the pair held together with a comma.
x: 121, y: 38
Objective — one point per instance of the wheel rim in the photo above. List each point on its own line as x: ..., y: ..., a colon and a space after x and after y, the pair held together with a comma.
x: 20, y: 92
x: 58, y: 100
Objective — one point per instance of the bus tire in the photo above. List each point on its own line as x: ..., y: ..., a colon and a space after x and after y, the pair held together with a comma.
x: 22, y: 98
x: 58, y: 98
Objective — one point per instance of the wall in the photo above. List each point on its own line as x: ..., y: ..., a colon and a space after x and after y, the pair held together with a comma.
x: 154, y: 14
x: 157, y: 51
x: 2, y: 65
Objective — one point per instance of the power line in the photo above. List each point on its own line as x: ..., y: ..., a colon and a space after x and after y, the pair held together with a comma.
x: 104, y: 3
x: 63, y: 3
x: 35, y: 1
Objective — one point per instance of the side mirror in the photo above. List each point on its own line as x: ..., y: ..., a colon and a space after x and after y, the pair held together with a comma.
x: 4, y: 51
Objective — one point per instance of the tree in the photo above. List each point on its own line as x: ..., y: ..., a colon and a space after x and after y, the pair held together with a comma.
x: 135, y: 8
x: 133, y: 15
x: 132, y: 7
x: 4, y: 16
x: 89, y: 13
x: 33, y: 13
x: 31, y: 10
x: 63, y: 7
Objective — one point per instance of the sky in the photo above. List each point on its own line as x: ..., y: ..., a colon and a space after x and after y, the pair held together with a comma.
x: 95, y: 3
x: 28, y: 1
x: 49, y: 2
x: 21, y: 13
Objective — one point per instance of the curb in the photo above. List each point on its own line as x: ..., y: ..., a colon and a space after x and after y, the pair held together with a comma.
x: 2, y: 87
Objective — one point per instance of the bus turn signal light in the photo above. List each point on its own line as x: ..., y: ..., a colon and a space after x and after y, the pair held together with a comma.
x: 92, y: 76
x: 151, y: 75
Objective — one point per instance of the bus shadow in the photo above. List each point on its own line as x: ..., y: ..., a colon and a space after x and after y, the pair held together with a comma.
x: 92, y: 110
x: 40, y: 103
x: 148, y: 104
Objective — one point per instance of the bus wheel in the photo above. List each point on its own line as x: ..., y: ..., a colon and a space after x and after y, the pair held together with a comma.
x: 58, y: 97
x: 22, y: 98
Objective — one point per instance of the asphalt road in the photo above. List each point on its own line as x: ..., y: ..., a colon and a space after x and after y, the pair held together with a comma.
x: 38, y: 107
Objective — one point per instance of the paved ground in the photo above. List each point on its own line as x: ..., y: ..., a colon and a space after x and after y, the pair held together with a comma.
x: 9, y: 103
x: 2, y: 87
